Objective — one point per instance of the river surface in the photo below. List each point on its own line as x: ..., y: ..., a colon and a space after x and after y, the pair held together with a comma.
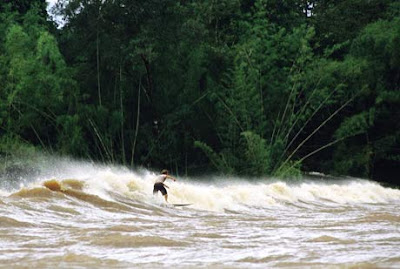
x: 78, y: 215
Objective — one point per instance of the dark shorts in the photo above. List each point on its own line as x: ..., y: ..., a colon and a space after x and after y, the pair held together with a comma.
x: 159, y: 187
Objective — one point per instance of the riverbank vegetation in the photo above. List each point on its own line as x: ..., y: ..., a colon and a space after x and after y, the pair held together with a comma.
x: 255, y: 88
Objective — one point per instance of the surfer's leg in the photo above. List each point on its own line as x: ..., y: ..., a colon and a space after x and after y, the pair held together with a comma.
x: 164, y: 193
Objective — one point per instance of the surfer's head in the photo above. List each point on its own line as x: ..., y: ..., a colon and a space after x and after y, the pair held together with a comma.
x: 164, y: 172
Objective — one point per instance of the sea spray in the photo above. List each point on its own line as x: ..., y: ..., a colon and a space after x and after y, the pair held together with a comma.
x: 216, y: 193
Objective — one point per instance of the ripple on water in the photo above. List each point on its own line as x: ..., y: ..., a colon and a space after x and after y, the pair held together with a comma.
x: 332, y: 239
x: 67, y: 260
x: 380, y: 217
x: 13, y: 223
x: 119, y: 240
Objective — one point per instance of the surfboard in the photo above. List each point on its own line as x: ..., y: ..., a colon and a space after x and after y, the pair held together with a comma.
x: 181, y: 204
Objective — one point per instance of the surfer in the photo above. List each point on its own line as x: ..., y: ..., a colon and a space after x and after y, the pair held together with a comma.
x: 160, y: 186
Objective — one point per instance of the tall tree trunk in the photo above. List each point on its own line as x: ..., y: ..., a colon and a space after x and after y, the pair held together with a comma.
x: 98, y: 60
x: 137, y: 125
x: 154, y: 117
x: 149, y: 92
x: 122, y: 116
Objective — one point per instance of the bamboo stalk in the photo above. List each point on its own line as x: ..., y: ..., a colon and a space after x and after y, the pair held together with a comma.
x: 317, y: 129
x: 137, y: 124
x: 308, y: 120
x: 52, y: 119
x: 122, y: 116
x: 231, y: 112
x: 316, y: 151
x: 284, y: 112
x: 100, y: 139
x: 301, y: 111
x: 98, y: 62
x: 275, y: 129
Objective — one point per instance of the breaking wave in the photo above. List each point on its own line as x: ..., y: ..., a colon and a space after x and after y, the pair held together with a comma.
x: 121, y: 188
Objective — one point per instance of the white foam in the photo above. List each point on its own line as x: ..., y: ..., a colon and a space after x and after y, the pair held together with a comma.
x: 218, y: 193
x: 3, y: 193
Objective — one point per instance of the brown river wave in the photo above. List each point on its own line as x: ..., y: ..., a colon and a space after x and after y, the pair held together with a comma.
x: 108, y: 218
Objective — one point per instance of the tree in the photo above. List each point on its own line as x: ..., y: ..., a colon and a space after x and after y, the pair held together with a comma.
x: 251, y: 124
x: 37, y: 82
x: 374, y: 116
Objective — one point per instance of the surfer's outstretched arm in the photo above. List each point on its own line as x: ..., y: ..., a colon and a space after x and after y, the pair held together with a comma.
x: 170, y: 177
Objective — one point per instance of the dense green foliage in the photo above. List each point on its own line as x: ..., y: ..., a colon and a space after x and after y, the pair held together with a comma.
x: 256, y: 88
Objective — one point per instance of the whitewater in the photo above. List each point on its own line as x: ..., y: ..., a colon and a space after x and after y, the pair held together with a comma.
x: 83, y: 215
